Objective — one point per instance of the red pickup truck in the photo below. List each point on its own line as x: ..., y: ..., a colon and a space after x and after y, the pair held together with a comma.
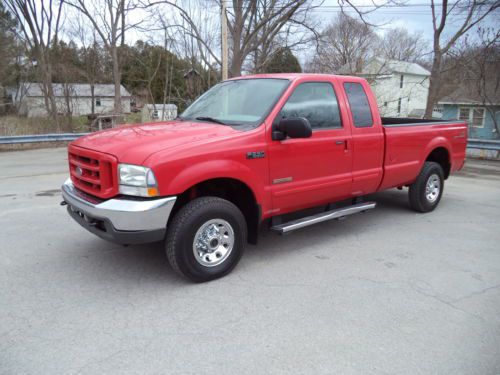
x: 250, y: 151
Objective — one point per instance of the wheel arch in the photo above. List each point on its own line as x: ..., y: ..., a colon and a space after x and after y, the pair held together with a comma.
x: 235, y: 191
x: 441, y: 155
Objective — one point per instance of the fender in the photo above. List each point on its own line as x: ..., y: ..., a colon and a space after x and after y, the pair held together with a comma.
x: 433, y: 144
x: 212, y: 169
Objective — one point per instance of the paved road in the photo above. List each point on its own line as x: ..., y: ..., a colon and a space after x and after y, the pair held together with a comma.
x: 385, y: 292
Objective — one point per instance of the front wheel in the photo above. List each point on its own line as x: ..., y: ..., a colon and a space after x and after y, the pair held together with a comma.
x: 206, y: 238
x: 425, y: 193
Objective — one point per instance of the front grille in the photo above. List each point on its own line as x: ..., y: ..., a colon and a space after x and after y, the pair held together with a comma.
x: 93, y: 172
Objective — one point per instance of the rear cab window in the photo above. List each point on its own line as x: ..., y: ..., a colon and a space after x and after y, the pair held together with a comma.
x: 360, y: 107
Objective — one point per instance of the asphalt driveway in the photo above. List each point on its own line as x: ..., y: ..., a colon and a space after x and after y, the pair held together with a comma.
x: 384, y: 292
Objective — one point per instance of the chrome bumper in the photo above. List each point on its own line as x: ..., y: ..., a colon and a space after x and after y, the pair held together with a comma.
x: 109, y: 218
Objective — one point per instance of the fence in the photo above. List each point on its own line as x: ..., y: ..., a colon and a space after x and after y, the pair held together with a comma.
x: 484, y: 144
x: 39, y: 138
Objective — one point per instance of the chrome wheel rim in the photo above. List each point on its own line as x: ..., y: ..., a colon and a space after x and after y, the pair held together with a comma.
x: 213, y: 242
x: 432, y: 188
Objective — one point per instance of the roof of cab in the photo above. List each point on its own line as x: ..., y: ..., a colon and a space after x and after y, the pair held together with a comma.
x: 294, y: 76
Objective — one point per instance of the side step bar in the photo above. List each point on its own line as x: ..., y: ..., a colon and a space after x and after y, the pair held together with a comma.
x: 323, y: 216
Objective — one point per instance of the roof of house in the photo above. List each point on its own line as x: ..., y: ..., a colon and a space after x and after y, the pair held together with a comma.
x: 379, y: 66
x: 191, y: 72
x: 468, y: 93
x: 159, y: 106
x: 75, y: 89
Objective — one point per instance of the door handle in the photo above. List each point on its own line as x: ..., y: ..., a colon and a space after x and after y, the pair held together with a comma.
x: 343, y: 142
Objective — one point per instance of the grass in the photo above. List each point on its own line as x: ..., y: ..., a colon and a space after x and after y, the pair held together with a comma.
x: 16, y: 125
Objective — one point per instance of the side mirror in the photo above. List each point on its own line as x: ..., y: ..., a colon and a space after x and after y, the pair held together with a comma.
x: 293, y: 127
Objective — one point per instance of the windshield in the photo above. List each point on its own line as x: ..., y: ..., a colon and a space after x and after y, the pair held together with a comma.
x: 238, y: 102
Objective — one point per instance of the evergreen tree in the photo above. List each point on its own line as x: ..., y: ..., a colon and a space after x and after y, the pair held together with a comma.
x: 283, y: 61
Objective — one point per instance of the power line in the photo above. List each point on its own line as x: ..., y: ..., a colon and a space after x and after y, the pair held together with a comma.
x: 322, y: 7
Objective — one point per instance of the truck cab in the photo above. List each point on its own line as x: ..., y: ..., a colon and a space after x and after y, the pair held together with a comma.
x: 248, y: 152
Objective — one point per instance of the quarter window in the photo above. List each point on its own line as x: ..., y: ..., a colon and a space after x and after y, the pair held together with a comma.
x: 360, y: 108
x: 315, y: 101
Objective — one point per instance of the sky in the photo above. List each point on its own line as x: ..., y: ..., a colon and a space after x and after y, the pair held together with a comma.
x: 413, y: 15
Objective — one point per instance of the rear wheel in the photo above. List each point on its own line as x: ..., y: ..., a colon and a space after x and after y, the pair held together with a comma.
x: 206, y: 238
x: 425, y: 193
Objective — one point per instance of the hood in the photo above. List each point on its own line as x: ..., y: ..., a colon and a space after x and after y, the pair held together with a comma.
x: 134, y: 143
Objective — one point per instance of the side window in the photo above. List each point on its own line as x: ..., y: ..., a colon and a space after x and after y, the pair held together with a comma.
x: 360, y: 108
x: 315, y: 101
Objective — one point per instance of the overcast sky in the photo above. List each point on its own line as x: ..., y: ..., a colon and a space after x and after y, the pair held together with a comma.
x: 415, y: 16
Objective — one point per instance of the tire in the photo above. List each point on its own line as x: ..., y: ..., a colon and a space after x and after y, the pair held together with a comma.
x: 425, y: 193
x: 206, y: 239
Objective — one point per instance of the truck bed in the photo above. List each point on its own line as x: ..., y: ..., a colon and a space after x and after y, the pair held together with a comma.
x: 410, y: 142
x: 398, y: 121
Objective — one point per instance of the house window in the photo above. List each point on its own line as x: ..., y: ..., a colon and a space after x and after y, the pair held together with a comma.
x: 399, y: 106
x: 474, y: 116
x: 464, y: 114
x: 439, y: 108
x: 401, y: 81
x: 385, y: 104
x: 478, y: 117
x: 97, y: 102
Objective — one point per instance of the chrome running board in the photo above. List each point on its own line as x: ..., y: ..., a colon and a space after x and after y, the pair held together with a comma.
x: 323, y: 216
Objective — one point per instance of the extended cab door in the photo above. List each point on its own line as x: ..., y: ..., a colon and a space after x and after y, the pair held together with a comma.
x: 367, y: 136
x: 311, y: 171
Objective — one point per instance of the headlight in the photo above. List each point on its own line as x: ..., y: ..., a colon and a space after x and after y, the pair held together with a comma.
x: 137, y: 180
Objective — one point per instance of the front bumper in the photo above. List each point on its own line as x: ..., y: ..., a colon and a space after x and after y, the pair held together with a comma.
x: 125, y: 220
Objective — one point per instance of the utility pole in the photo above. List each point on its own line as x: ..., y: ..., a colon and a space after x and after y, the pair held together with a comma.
x: 224, y: 40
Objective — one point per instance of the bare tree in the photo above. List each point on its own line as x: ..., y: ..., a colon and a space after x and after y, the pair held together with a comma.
x: 39, y: 22
x: 180, y: 28
x: 252, y: 25
x: 399, y: 44
x: 109, y: 19
x: 488, y: 77
x: 9, y: 55
x: 471, y: 13
x: 91, y: 55
x: 298, y: 33
x: 346, y: 42
x: 480, y: 71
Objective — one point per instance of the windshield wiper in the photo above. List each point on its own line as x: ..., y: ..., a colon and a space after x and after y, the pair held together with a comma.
x: 210, y: 119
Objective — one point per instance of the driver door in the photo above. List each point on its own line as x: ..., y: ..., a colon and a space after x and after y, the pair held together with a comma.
x: 306, y: 172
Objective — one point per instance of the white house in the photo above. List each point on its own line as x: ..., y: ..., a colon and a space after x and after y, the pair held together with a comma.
x: 77, y: 97
x: 401, y: 87
x: 158, y: 112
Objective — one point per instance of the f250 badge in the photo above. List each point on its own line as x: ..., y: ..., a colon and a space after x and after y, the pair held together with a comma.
x: 256, y: 155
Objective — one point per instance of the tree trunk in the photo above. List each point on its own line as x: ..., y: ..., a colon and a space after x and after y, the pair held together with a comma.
x: 50, y: 101
x: 237, y: 58
x: 434, y: 84
x: 235, y: 70
x: 117, y: 80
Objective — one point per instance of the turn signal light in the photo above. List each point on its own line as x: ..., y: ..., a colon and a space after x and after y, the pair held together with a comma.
x: 153, y: 192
